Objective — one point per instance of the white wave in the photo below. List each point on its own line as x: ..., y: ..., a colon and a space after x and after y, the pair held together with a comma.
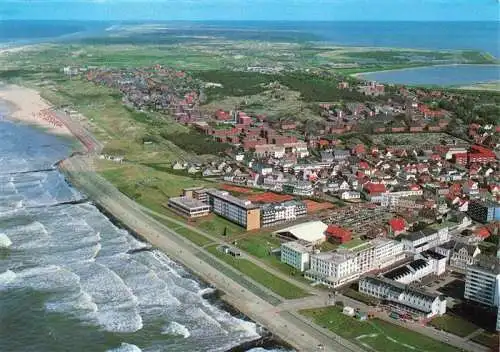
x: 7, y: 277
x: 5, y: 241
x: 126, y: 347
x: 206, y: 291
x: 174, y: 328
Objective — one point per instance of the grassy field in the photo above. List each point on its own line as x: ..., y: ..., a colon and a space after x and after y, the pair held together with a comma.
x: 273, y: 283
x: 215, y: 225
x: 260, y: 246
x: 145, y: 185
x: 454, y: 325
x: 194, y: 237
x: 375, y: 335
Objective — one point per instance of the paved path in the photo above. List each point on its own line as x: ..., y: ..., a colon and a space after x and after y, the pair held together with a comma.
x: 298, y: 334
x: 220, y: 241
x: 474, y: 334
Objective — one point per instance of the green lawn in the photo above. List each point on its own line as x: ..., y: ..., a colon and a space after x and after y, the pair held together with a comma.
x: 194, y: 237
x: 454, y: 325
x: 487, y: 339
x: 375, y: 334
x: 215, y: 225
x: 273, y: 283
x: 260, y: 245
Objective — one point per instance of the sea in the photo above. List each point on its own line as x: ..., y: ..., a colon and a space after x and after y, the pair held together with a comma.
x: 70, y: 280
x: 446, y: 75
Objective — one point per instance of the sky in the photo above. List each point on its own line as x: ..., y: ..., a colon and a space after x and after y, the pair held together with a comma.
x: 310, y: 10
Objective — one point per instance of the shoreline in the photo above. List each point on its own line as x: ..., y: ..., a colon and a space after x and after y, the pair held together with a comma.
x: 359, y: 75
x: 216, y: 298
x: 27, y: 106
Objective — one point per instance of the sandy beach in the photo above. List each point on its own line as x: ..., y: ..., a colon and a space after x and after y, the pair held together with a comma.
x: 31, y: 109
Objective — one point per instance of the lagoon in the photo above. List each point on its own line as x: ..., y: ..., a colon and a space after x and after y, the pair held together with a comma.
x: 445, y: 75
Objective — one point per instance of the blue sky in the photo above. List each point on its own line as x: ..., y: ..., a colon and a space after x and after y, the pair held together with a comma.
x: 418, y: 10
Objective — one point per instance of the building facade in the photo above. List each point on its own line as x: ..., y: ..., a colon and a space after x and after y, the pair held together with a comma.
x: 188, y: 207
x: 482, y: 281
x: 484, y: 211
x: 296, y: 254
x: 334, y: 269
x: 278, y: 213
x: 400, y: 296
x: 241, y: 212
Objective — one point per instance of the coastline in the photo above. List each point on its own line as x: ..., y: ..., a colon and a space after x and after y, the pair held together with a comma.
x: 22, y: 100
x: 359, y: 75
x: 30, y: 108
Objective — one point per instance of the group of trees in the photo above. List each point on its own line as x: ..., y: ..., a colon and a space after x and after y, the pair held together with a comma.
x: 195, y: 142
x: 313, y: 88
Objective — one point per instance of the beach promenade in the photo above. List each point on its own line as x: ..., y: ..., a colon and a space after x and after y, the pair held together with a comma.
x: 299, y: 333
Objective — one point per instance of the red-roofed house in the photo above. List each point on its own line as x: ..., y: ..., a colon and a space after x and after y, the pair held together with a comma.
x: 363, y: 165
x: 398, y: 225
x: 375, y: 188
x: 460, y: 158
x: 221, y: 115
x: 480, y: 154
x: 482, y: 232
x: 359, y: 149
x: 337, y: 234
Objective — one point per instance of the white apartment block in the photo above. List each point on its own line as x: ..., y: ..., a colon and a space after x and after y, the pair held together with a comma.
x: 482, y: 281
x: 398, y: 295
x: 296, y: 254
x: 425, y: 239
x: 335, y: 269
x: 276, y: 213
x: 425, y: 264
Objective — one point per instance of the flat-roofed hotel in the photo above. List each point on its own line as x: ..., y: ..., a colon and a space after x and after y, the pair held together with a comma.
x: 189, y: 207
x: 242, y: 212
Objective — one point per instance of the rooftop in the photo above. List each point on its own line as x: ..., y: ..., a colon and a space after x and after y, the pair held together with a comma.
x: 231, y: 199
x: 299, y: 246
x: 190, y: 203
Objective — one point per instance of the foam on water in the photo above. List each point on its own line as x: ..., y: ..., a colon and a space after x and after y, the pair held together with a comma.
x: 126, y: 347
x: 6, y: 278
x: 174, y: 328
x: 90, y: 269
x: 5, y: 241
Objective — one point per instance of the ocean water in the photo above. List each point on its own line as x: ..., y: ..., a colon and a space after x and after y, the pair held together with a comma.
x: 481, y: 36
x: 70, y: 280
x: 444, y: 35
x: 452, y: 75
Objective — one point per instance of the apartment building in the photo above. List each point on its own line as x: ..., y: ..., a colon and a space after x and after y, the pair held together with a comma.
x: 199, y: 193
x: 484, y: 211
x: 278, y: 213
x: 189, y: 207
x: 241, y: 212
x: 335, y: 269
x: 296, y: 254
x: 425, y: 239
x: 482, y: 281
x: 403, y: 297
x: 429, y: 263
